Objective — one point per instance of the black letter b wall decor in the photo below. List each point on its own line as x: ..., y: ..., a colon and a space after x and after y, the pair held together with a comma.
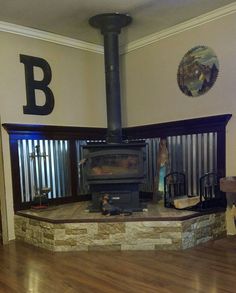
x: 32, y: 85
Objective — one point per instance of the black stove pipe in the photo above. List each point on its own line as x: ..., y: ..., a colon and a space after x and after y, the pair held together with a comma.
x: 110, y: 25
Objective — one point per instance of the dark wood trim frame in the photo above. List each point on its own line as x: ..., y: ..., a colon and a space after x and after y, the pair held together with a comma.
x: 15, y: 171
x: 189, y: 126
x: 55, y: 132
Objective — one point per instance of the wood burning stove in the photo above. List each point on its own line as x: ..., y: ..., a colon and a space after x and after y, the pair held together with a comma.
x: 117, y: 170
x: 114, y: 168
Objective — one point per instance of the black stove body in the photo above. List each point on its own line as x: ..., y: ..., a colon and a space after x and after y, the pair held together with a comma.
x: 116, y: 170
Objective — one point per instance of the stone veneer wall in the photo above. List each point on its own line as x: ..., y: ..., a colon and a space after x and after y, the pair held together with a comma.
x: 143, y: 235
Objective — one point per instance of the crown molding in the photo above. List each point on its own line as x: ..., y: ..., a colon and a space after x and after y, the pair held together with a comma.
x: 49, y: 37
x: 150, y: 39
x: 187, y: 25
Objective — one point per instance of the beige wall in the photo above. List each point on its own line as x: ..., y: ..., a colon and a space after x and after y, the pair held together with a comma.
x: 77, y: 84
x: 151, y: 91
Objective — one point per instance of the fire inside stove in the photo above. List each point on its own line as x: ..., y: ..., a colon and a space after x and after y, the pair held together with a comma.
x: 114, y: 164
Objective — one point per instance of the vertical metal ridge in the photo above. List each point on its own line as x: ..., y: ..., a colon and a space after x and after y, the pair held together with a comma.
x: 194, y: 164
x: 21, y: 167
x: 215, y: 151
x: 29, y: 151
x: 47, y: 166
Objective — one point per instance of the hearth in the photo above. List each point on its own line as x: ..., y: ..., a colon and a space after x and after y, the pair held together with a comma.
x: 156, y: 229
x: 114, y: 168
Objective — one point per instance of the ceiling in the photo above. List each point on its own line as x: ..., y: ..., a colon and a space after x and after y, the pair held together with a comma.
x: 70, y: 17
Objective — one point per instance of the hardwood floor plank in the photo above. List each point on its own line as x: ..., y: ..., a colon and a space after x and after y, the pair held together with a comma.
x: 209, y: 268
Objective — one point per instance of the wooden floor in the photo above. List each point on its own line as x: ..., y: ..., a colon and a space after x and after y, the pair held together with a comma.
x: 209, y: 268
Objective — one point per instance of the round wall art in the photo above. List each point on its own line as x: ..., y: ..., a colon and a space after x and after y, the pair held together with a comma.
x: 198, y: 71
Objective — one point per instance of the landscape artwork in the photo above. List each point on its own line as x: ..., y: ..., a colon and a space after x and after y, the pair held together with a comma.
x: 198, y: 71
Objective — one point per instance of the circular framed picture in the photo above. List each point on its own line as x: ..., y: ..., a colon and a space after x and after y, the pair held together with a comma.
x: 198, y: 71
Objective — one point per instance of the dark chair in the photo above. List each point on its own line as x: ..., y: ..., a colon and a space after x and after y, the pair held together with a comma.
x: 174, y: 187
x: 210, y: 194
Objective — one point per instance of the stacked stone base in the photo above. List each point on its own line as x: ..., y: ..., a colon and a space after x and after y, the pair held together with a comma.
x: 138, y: 235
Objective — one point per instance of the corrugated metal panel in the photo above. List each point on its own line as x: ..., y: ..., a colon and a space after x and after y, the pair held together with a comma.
x: 48, y: 168
x: 194, y: 155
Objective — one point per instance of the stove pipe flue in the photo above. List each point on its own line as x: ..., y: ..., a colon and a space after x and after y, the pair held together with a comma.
x: 110, y: 25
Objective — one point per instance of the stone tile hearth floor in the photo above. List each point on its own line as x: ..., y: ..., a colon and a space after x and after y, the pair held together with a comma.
x: 78, y: 212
